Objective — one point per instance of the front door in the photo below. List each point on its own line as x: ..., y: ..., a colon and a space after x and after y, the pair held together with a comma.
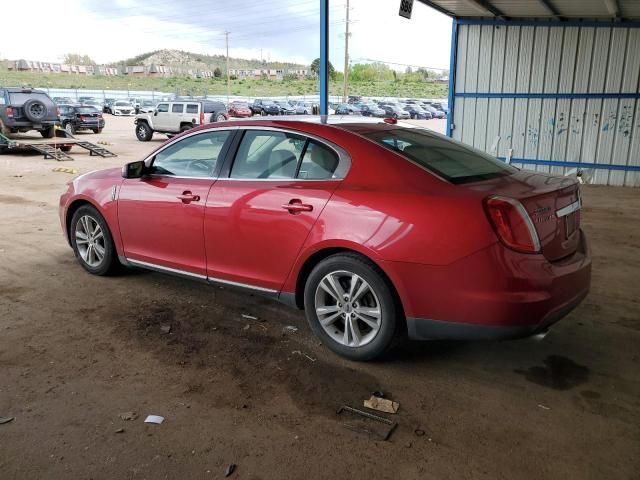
x: 161, y: 117
x: 258, y: 218
x: 161, y: 215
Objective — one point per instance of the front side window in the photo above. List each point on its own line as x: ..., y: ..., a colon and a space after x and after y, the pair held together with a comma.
x: 163, y: 107
x: 177, y: 108
x: 194, y: 156
x: 268, y: 155
x: 450, y: 160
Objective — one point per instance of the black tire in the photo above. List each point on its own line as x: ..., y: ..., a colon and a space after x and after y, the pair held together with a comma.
x: 390, y: 319
x: 34, y: 110
x: 66, y: 148
x: 70, y: 128
x: 48, y: 132
x: 97, y: 130
x: 263, y: 113
x: 143, y: 132
x: 186, y: 127
x: 220, y: 117
x: 109, y: 262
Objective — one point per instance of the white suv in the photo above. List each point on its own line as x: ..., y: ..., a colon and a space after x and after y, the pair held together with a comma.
x: 177, y: 116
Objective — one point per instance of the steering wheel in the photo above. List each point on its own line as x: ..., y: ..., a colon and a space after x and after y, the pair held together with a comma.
x: 200, y: 165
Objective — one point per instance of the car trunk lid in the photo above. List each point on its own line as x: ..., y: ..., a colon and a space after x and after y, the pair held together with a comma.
x: 553, y: 204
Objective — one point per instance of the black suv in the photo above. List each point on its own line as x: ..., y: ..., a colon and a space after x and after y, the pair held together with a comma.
x: 264, y: 107
x: 25, y: 109
x: 81, y: 117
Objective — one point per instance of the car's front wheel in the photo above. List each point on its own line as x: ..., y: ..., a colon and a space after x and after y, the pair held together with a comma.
x: 92, y: 242
x: 350, y: 306
x: 69, y: 128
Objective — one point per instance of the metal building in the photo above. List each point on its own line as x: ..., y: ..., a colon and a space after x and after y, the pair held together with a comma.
x: 548, y: 84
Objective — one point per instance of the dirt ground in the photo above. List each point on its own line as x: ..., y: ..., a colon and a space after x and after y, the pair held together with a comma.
x: 77, y: 352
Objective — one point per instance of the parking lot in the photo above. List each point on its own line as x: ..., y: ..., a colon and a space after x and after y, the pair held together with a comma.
x: 79, y: 353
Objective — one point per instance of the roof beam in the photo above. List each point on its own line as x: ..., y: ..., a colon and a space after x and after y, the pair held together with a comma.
x: 485, y: 7
x: 552, y: 9
x: 613, y: 7
x: 437, y: 7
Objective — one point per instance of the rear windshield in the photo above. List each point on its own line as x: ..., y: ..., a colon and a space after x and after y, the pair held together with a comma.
x: 18, y: 98
x: 448, y: 159
x: 86, y: 110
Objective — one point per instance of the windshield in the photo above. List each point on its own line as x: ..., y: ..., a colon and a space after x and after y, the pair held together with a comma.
x: 123, y: 104
x: 86, y: 110
x: 267, y: 102
x: 240, y: 105
x: 450, y: 160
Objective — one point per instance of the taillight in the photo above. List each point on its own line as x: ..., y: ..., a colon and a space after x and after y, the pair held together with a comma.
x: 512, y: 224
x: 58, y: 111
x: 10, y: 112
x: 201, y: 118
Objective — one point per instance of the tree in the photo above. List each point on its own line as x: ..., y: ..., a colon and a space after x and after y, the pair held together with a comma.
x: 315, y: 69
x: 77, y: 59
x: 217, y: 72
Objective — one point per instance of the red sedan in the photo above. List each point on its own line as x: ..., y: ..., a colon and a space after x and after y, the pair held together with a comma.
x: 239, y: 110
x: 374, y: 229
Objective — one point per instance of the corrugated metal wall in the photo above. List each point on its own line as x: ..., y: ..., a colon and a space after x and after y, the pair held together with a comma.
x: 551, y: 94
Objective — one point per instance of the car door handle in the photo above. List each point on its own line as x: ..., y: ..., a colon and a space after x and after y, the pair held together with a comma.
x: 188, y: 197
x: 296, y: 206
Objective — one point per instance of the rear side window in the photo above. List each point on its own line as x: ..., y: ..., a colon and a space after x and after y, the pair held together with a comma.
x: 177, y: 108
x: 448, y: 159
x: 211, y: 107
x: 268, y: 155
x: 318, y: 162
x: 163, y: 107
x: 192, y: 108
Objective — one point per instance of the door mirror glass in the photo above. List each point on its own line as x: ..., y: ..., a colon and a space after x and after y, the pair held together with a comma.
x: 133, y: 170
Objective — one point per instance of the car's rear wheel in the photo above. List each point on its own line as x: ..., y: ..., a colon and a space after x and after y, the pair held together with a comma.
x: 220, y: 118
x: 92, y: 242
x: 185, y: 127
x: 66, y: 148
x: 97, y: 130
x: 48, y: 132
x: 143, y: 132
x: 350, y: 306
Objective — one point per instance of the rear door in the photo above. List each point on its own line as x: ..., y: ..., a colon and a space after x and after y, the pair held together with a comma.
x: 260, y: 213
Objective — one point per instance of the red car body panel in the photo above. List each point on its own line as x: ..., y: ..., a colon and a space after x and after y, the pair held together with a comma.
x: 453, y: 276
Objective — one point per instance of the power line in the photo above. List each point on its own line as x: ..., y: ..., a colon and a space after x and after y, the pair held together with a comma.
x: 401, y: 64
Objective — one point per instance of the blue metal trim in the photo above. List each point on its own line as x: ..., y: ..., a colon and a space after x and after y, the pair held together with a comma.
x: 549, y: 23
x: 324, y: 58
x: 452, y: 76
x: 560, y: 163
x: 547, y: 95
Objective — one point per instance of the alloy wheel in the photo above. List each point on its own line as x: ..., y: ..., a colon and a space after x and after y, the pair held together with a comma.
x: 90, y: 241
x: 348, y: 308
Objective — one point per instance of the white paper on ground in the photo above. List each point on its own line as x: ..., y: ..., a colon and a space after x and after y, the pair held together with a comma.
x: 154, y: 419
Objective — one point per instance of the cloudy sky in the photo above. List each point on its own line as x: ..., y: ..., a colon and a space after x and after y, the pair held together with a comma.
x: 284, y: 30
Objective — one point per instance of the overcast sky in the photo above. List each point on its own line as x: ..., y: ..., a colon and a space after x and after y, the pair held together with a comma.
x: 286, y: 30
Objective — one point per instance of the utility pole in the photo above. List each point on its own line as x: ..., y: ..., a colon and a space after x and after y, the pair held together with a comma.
x: 226, y: 34
x: 345, y: 86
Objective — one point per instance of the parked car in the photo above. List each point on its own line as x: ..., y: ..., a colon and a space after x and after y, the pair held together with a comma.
x: 25, y: 109
x: 64, y: 100
x: 81, y: 117
x: 394, y: 111
x: 178, y: 116
x: 239, y: 109
x: 442, y: 107
x: 147, y: 106
x: 417, y: 112
x: 370, y: 110
x: 304, y: 108
x: 94, y: 103
x: 347, y: 109
x: 122, y: 107
x: 264, y: 107
x: 285, y: 107
x: 108, y: 103
x: 374, y: 229
x: 435, y: 113
x: 136, y: 102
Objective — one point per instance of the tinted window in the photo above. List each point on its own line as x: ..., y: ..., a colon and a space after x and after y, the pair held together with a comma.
x: 318, y: 162
x: 266, y: 154
x: 448, y: 159
x: 194, y: 156
x: 192, y: 108
x: 177, y: 108
x: 163, y: 107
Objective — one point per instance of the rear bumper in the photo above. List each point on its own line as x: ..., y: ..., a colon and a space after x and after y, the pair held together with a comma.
x: 492, y: 294
x: 89, y: 125
x: 31, y: 125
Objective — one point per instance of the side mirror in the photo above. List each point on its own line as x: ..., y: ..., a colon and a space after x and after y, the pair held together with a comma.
x: 134, y: 170
x: 155, y: 112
